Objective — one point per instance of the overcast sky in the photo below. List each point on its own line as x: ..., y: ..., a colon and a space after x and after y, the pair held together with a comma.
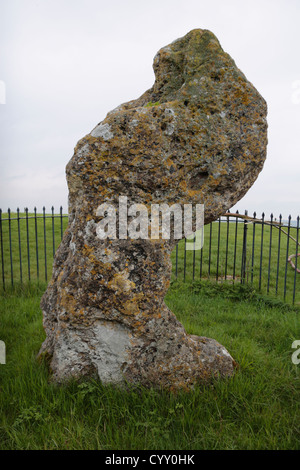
x: 65, y: 63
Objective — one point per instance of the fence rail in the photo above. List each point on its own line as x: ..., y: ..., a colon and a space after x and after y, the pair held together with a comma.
x: 237, y: 249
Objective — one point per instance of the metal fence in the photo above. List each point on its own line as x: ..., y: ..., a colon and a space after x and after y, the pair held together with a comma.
x: 249, y: 250
x: 237, y: 249
x: 28, y: 244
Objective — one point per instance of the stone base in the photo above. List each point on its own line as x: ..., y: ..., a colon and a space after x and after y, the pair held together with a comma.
x: 167, y: 358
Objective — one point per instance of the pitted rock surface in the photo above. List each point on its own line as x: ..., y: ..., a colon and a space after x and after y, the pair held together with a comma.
x: 199, y: 135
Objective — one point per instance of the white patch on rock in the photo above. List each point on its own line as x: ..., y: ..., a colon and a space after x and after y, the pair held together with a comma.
x: 82, y: 153
x: 72, y: 247
x: 170, y: 125
x: 103, y: 345
x: 226, y: 353
x: 133, y: 123
x: 170, y: 129
x: 102, y: 130
x: 170, y: 111
x: 107, y: 256
x: 112, y: 341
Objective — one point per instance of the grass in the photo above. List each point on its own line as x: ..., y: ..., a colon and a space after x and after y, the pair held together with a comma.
x: 256, y: 409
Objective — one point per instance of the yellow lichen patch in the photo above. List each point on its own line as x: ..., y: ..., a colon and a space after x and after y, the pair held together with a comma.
x: 131, y: 306
x: 193, y: 194
x: 59, y: 277
x: 68, y: 301
x: 121, y: 283
x: 239, y: 165
x: 213, y: 182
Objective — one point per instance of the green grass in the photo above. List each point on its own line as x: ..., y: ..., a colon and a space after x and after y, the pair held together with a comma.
x: 256, y: 409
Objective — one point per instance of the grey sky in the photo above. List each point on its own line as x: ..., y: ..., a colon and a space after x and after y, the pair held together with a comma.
x: 66, y: 63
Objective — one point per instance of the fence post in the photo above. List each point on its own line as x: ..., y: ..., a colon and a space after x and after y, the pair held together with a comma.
x: 287, y: 256
x: 253, y: 247
x: 45, y: 246
x: 270, y: 252
x: 227, y: 240
x: 20, y: 250
x: 53, y: 233
x: 10, y: 248
x: 278, y: 253
x: 244, y: 253
x: 296, y: 260
x: 209, y: 253
x: 261, y: 248
x: 218, y: 249
x: 2, y: 255
x: 184, y: 262
x: 235, y: 243
x: 61, y: 222
x: 194, y: 257
x: 28, y: 247
x: 36, y: 245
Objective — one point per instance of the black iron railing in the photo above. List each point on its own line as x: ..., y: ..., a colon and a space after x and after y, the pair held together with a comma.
x: 248, y: 250
x: 28, y: 244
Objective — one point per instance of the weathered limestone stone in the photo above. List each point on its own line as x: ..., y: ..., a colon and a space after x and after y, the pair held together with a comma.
x: 199, y: 135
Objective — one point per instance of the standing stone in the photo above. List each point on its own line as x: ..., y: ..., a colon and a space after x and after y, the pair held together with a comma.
x: 199, y: 135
